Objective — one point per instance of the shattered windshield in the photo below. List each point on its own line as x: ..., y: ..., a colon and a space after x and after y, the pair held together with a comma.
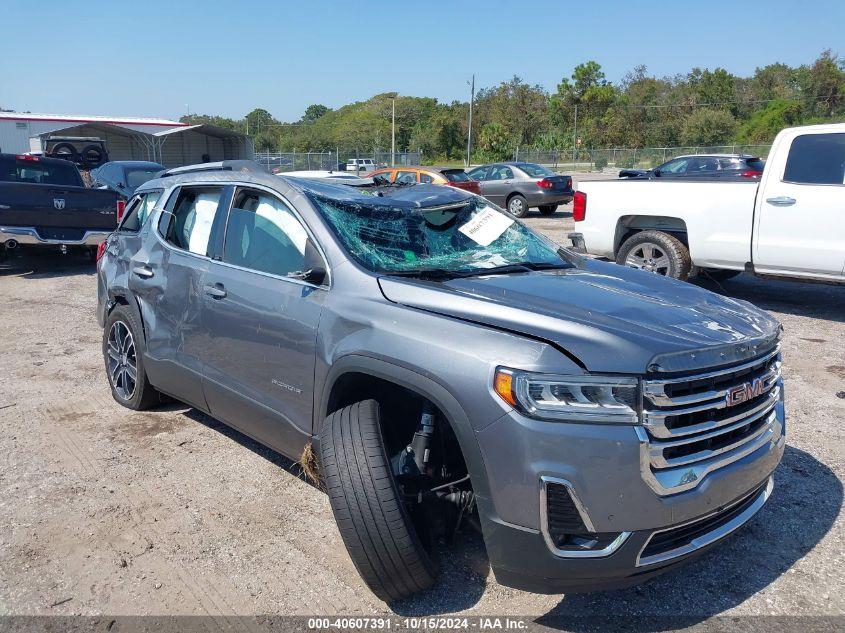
x: 469, y: 237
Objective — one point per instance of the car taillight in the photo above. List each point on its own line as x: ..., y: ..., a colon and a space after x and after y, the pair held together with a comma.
x: 31, y: 159
x: 579, y: 206
x: 121, y: 207
x: 751, y: 174
x: 101, y: 250
x: 545, y: 183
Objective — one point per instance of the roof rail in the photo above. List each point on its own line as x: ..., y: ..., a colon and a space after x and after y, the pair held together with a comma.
x: 222, y: 165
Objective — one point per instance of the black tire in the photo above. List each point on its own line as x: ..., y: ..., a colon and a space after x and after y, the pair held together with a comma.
x: 547, y: 209
x: 719, y: 274
x: 65, y: 151
x: 517, y: 206
x: 143, y: 395
x: 92, y: 155
x: 641, y: 250
x: 373, y: 521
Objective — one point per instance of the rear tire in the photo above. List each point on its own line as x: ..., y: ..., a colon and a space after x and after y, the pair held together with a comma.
x: 657, y: 252
x: 547, y: 209
x: 367, y: 504
x: 123, y: 346
x: 517, y: 206
x: 64, y: 151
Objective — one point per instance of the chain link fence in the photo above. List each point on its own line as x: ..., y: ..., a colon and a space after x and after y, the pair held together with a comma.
x: 627, y: 158
x: 279, y: 162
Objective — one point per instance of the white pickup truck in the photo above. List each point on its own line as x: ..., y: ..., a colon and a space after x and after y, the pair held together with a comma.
x: 790, y: 224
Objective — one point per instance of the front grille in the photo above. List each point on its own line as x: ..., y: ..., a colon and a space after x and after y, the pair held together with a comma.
x: 686, y: 538
x: 693, y: 425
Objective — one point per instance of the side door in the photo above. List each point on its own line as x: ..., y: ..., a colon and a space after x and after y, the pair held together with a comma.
x: 261, y: 323
x: 800, y: 208
x: 479, y: 174
x: 498, y: 185
x: 165, y: 276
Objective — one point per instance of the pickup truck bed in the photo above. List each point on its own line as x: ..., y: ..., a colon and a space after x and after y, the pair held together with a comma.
x: 44, y: 201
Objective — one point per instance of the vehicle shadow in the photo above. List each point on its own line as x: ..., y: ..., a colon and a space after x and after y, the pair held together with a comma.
x: 804, y: 505
x: 463, y: 563
x: 820, y: 301
x: 46, y: 265
x: 277, y: 459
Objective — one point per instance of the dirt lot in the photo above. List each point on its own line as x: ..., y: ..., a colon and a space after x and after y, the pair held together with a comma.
x: 168, y: 512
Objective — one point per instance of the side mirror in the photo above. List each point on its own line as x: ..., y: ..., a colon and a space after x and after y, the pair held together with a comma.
x: 656, y: 172
x: 313, y: 267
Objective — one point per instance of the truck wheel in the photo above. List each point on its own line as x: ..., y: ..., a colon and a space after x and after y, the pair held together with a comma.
x: 122, y: 351
x: 64, y: 150
x: 367, y: 505
x: 517, y: 206
x: 547, y: 209
x: 92, y: 155
x: 719, y: 274
x: 656, y: 252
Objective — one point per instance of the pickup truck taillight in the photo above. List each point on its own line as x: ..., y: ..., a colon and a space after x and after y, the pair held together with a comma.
x: 579, y: 206
x: 545, y: 183
x: 101, y: 250
x: 121, y: 207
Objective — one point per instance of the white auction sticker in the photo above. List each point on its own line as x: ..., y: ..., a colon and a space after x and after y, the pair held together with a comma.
x: 486, y: 226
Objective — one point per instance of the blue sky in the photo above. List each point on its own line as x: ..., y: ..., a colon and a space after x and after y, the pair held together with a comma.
x: 153, y: 58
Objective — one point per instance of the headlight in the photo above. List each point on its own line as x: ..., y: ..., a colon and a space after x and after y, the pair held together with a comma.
x: 597, y: 399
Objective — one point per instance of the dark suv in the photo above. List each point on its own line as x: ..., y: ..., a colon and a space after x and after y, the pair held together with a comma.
x: 448, y: 367
x: 700, y: 166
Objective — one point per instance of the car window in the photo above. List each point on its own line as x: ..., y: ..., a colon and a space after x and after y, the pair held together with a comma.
x: 424, y: 177
x: 137, y: 176
x: 385, y: 175
x: 756, y: 164
x: 677, y: 166
x: 817, y: 159
x: 479, y: 173
x: 731, y: 164
x: 138, y: 210
x: 263, y: 234
x: 32, y: 170
x: 500, y: 172
x: 535, y: 171
x: 702, y: 164
x: 190, y: 221
x: 405, y: 177
x: 456, y: 175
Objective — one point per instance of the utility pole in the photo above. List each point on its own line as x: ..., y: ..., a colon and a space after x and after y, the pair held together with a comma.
x: 393, y: 133
x: 574, y: 136
x: 469, y: 125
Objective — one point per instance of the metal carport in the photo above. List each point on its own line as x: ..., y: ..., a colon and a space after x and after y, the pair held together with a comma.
x: 200, y: 143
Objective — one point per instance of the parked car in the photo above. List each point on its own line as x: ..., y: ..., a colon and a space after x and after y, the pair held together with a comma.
x: 703, y: 166
x: 320, y: 173
x: 519, y: 187
x: 43, y: 202
x: 319, y: 318
x: 361, y: 165
x: 789, y: 224
x: 451, y: 176
x: 124, y: 176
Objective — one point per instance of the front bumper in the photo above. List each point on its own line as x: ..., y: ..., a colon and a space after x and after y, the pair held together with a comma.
x: 29, y: 236
x: 607, y: 470
x: 522, y: 559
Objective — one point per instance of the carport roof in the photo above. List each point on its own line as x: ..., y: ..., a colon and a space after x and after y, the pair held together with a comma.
x: 205, y: 128
x: 105, y: 127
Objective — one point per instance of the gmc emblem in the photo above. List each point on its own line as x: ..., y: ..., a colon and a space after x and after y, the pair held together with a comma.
x: 744, y: 392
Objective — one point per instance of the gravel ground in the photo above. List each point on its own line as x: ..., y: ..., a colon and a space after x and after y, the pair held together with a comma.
x: 168, y: 512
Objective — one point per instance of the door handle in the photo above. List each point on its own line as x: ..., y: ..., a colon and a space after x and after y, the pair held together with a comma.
x: 144, y: 272
x: 216, y: 291
x: 781, y: 201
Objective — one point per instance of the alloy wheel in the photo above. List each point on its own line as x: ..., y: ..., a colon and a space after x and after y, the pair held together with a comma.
x: 649, y: 256
x: 122, y: 362
x: 516, y: 206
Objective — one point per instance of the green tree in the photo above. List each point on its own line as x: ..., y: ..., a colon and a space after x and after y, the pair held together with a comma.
x: 495, y: 142
x: 314, y: 112
x: 707, y: 126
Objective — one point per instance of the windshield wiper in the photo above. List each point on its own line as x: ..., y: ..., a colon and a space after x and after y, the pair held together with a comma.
x: 435, y: 274
x: 518, y: 267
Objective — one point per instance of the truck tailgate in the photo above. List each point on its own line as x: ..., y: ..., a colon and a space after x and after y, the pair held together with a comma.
x: 57, y: 211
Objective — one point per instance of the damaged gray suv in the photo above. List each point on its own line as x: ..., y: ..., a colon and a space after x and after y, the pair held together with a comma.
x: 447, y: 366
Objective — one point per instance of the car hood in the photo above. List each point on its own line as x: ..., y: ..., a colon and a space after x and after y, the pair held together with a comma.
x: 608, y: 317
